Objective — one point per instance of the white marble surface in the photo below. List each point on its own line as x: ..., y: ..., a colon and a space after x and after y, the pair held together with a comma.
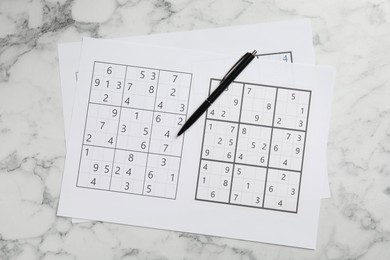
x: 352, y: 35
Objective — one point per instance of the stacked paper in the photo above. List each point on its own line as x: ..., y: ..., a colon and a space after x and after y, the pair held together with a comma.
x: 253, y: 167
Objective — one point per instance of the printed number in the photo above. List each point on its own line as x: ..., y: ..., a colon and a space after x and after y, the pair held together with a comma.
x: 130, y: 85
x: 180, y: 121
x: 131, y: 157
x: 151, y: 89
x: 280, y: 203
x: 235, y: 102
x: 182, y: 107
x: 279, y: 121
x: 153, y: 76
x: 95, y: 167
x: 114, y: 113
x: 283, y: 177
x: 117, y: 170
x: 163, y: 162
x: 93, y: 182
x: 146, y: 131
x: 123, y: 128
x: 257, y: 117
x: 158, y: 118
x: 173, y: 92
x: 297, y: 150
x: 257, y: 200
x: 292, y: 191
x: 127, y: 185
x: 97, y: 82
x: 142, y: 74
x: 109, y: 70
x: 229, y: 155
x: 300, y: 123
x: 149, y: 188
x: 212, y: 194
x: 128, y: 172
x: 292, y: 96
x: 89, y: 136
x: 105, y: 99
x: 285, y: 58
x: 205, y: 166
x: 269, y: 106
x: 225, y: 183
x: 150, y: 175
x: 271, y: 188
x: 119, y: 85
x: 262, y: 160
x: 102, y: 124
x: 174, y: 78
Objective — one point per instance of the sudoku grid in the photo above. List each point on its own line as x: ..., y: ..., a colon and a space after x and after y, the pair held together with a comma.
x: 253, y: 147
x: 129, y: 143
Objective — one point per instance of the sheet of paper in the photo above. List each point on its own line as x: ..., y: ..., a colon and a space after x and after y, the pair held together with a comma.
x: 270, y: 38
x: 154, y: 90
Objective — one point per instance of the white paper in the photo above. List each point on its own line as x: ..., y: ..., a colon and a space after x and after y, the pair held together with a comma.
x: 293, y: 36
x: 184, y: 213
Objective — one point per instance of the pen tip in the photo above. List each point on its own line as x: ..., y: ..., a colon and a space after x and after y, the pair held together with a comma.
x: 254, y: 52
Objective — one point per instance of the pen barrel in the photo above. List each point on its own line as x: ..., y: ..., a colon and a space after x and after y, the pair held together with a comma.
x: 246, y: 59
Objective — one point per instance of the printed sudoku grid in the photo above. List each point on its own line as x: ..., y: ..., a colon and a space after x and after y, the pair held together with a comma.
x: 253, y: 147
x: 130, y: 142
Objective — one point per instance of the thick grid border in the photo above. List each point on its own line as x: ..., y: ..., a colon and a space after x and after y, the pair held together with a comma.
x: 266, y: 167
x: 120, y: 107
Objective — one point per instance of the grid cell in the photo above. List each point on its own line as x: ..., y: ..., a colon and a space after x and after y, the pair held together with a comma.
x: 227, y: 106
x: 219, y: 140
x: 214, y: 181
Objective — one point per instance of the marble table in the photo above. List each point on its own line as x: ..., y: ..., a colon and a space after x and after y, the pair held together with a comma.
x: 353, y: 36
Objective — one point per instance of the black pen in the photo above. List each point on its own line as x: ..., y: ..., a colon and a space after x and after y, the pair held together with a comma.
x: 225, y: 82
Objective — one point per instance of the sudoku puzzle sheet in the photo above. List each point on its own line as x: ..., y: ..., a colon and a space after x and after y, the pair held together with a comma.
x: 253, y: 147
x: 130, y: 142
